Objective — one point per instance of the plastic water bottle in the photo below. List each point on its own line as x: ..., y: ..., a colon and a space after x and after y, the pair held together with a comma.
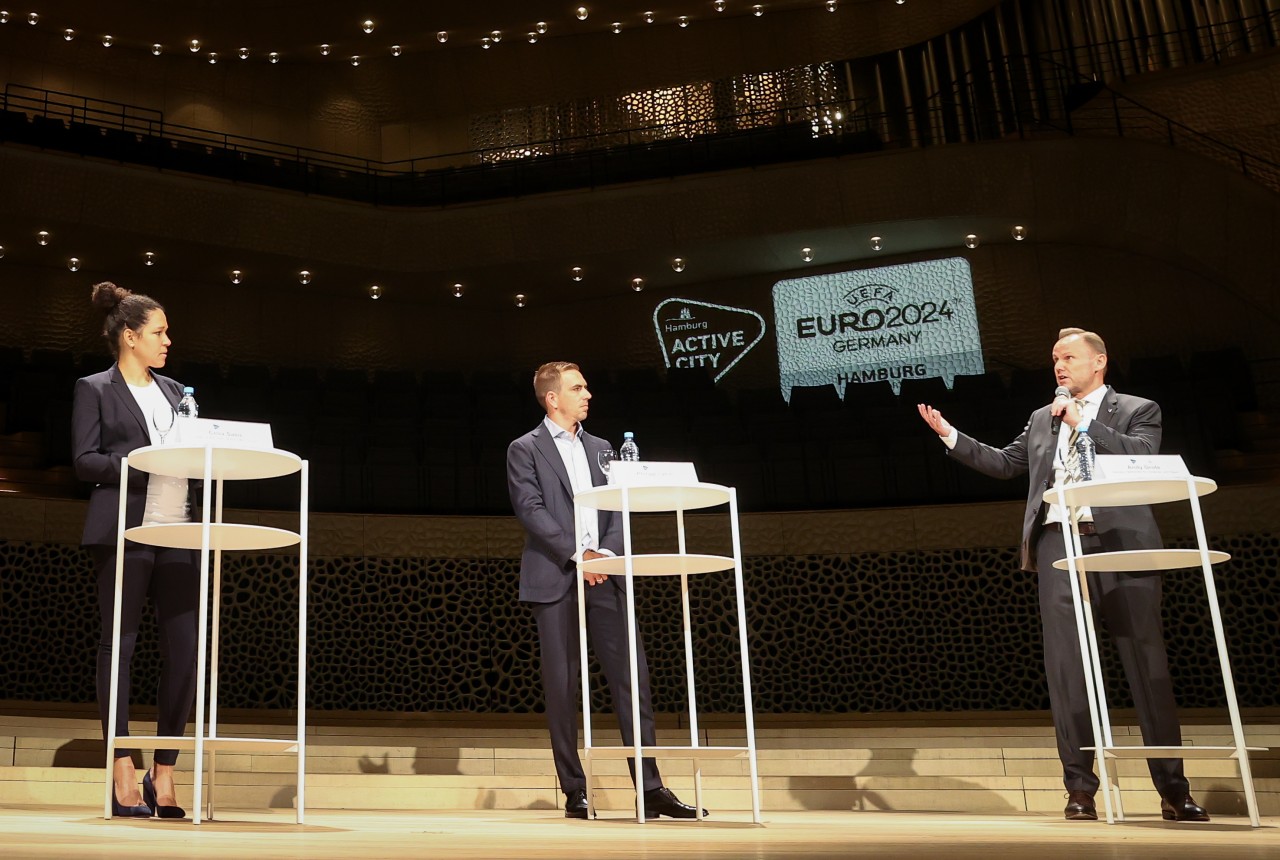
x: 187, y: 407
x: 1085, y: 448
x: 629, y: 450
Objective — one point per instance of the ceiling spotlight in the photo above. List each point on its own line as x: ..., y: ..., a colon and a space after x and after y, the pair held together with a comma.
x: 375, y: 292
x: 533, y: 37
x: 4, y: 17
x: 73, y: 264
x: 678, y: 264
x: 274, y: 57
x: 355, y: 61
x: 367, y: 26
x: 149, y: 258
x: 442, y: 36
x: 806, y: 254
x: 304, y: 277
x: 33, y: 18
x: 157, y: 48
x: 194, y: 45
x: 831, y: 5
x: 648, y: 17
x: 42, y: 238
x: 1019, y: 233
x: 324, y: 50
x: 616, y: 26
x: 108, y: 40
x: 576, y: 271
x: 541, y: 27
x: 236, y: 276
x: 396, y: 50
x: 68, y: 34
x: 683, y: 20
x: 496, y: 35
x: 876, y: 243
x: 521, y: 300
x: 213, y: 58
x: 637, y: 284
x: 486, y: 42
x: 457, y: 290
x: 757, y: 10
x: 719, y: 5
x: 971, y: 240
x: 581, y: 12
x: 243, y: 53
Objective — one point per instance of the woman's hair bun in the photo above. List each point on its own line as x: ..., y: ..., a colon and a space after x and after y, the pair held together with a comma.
x: 107, y: 295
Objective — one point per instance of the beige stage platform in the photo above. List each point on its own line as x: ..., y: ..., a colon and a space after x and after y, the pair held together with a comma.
x: 463, y: 785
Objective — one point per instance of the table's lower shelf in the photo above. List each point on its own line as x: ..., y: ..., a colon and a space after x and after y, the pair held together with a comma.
x: 221, y: 536
x: 220, y: 744
x: 1139, y: 560
x: 1174, y: 752
x: 668, y: 752
x: 659, y: 564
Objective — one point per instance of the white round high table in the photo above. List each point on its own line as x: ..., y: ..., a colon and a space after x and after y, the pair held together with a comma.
x: 1120, y: 492
x: 676, y: 498
x: 212, y: 536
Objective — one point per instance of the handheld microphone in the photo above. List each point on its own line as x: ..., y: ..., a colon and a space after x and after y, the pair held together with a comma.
x: 1064, y: 393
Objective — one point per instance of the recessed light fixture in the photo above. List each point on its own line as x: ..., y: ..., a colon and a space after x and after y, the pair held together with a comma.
x: 68, y: 34
x: 637, y: 284
x: 457, y: 290
x: 157, y: 48
x: 616, y: 26
x: 496, y: 35
x: 194, y: 45
x: 375, y: 292
x: 304, y: 277
x: 581, y: 12
x: 243, y: 53
x: 367, y: 25
x: 648, y: 17
x: 325, y: 49
x: 42, y: 237
x: 74, y: 264
x: 521, y: 300
x: 876, y: 243
x: 806, y: 254
x: 236, y: 276
x: 442, y: 36
x: 108, y: 40
x: 1019, y: 233
x: 678, y: 264
x: 149, y: 258
x: 355, y: 61
x: 396, y: 50
x: 757, y: 10
x: 576, y: 271
x: 213, y: 58
x: 971, y: 240
x: 274, y: 57
x: 541, y: 27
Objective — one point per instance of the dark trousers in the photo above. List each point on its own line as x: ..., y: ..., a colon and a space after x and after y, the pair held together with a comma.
x: 562, y: 676
x: 1129, y: 606
x: 171, y: 577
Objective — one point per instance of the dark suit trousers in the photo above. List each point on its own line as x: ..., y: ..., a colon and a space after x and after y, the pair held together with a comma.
x: 171, y: 577
x: 1129, y: 606
x: 562, y: 676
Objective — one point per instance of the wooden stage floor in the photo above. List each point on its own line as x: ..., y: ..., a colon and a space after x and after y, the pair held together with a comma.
x: 65, y: 832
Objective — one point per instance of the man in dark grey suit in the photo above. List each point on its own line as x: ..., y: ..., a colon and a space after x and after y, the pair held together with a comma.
x: 1129, y: 603
x: 545, y: 467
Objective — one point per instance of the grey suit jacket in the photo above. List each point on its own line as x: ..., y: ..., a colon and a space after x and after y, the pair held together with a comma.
x: 1125, y: 425
x: 542, y: 498
x: 107, y: 424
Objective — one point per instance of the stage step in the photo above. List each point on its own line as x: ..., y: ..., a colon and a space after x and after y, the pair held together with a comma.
x: 936, y: 763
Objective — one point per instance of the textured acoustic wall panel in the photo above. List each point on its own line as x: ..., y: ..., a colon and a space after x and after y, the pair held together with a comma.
x: 922, y: 630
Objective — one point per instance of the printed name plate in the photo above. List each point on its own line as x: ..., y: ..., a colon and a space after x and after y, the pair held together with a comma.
x: 1140, y: 467
x: 649, y: 473
x: 231, y: 434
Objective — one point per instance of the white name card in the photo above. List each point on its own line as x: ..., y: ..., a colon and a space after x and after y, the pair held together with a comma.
x: 649, y: 473
x: 195, y: 432
x: 1141, y: 467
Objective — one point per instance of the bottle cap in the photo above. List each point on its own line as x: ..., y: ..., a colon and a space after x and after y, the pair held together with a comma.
x: 187, y: 389
x: 628, y: 435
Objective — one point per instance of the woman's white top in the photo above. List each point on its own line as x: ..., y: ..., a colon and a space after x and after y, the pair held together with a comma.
x: 166, y: 497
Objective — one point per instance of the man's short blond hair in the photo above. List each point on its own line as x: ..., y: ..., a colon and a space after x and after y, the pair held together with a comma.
x: 547, y: 379
x: 1089, y: 337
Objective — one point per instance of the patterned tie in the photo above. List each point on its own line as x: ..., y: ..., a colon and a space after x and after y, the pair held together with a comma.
x: 1071, y: 465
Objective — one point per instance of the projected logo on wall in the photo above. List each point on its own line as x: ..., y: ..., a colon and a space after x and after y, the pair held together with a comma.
x: 697, y: 334
x: 877, y: 325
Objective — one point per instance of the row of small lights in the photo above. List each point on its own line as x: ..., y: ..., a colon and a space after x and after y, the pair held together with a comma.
x: 442, y: 36
x: 577, y: 273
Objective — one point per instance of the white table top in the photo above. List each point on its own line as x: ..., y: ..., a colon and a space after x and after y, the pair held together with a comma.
x: 1120, y: 492
x: 659, y: 564
x: 231, y: 464
x: 221, y: 536
x: 647, y: 499
x: 1141, y: 560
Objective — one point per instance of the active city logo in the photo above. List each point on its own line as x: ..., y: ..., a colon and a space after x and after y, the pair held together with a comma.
x: 700, y: 334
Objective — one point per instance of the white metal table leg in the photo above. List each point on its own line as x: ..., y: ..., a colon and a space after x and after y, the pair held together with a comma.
x: 748, y: 708
x: 113, y: 700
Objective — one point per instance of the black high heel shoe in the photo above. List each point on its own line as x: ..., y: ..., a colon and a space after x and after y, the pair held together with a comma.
x: 149, y: 795
x: 120, y: 811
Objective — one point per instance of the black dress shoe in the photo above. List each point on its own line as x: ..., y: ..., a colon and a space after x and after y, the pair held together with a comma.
x: 119, y: 810
x: 660, y: 801
x: 149, y: 796
x: 1080, y: 807
x: 1185, y: 809
x: 575, y: 804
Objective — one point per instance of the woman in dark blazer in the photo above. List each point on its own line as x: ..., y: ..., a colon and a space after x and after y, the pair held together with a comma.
x: 125, y: 407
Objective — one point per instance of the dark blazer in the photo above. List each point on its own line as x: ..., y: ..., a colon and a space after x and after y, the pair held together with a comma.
x: 106, y: 425
x: 1125, y: 425
x: 542, y: 498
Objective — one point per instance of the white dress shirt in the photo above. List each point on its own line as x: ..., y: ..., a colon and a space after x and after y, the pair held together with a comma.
x: 574, y: 455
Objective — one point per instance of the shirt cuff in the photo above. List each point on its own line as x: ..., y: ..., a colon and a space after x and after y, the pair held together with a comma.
x: 951, y: 438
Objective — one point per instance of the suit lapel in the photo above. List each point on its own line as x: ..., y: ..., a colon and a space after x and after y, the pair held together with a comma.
x: 128, y: 401
x: 547, y: 447
x: 1108, y: 409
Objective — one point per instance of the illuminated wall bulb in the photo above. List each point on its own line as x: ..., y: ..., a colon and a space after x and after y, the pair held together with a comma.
x: 683, y: 20
x: 637, y: 284
x: 533, y: 37
x: 274, y: 57
x: 648, y: 17
x: 876, y: 243
x: 68, y: 34
x: 971, y: 240
x: 678, y: 264
x: 719, y: 5
x: 442, y: 36
x: 4, y: 17
x: 1019, y: 233
x: 616, y: 26
x: 194, y: 45
x: 576, y: 271
x: 33, y: 18
x: 304, y: 277
x: 157, y: 48
x: 1, y: 251
x: 581, y: 12
x: 149, y: 258
x: 457, y: 291
x: 236, y: 276
x: 367, y: 26
x: 806, y: 254
x: 375, y: 292
x: 541, y: 27
x: 243, y: 53
x: 831, y: 5
x: 757, y: 10
x: 108, y: 40
x: 355, y: 61
x: 324, y: 50
x: 496, y: 35
x: 74, y: 264
x: 42, y: 237
x: 521, y: 300
x: 213, y: 58
x: 396, y: 50
x: 486, y: 42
